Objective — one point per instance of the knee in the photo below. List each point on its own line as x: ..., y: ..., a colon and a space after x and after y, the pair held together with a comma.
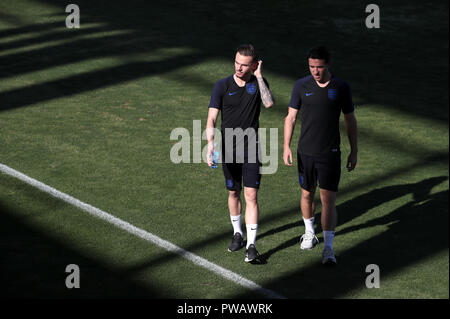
x: 328, y: 197
x: 251, y: 196
x: 307, y: 196
x: 234, y: 194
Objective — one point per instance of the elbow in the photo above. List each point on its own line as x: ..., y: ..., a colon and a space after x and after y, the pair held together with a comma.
x: 268, y: 105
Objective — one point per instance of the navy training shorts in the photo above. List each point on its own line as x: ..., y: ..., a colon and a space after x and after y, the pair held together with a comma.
x: 325, y: 169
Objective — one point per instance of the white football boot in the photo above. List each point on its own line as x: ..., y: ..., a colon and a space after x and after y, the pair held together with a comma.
x: 308, y: 241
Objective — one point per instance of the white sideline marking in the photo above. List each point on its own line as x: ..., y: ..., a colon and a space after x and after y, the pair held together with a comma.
x: 142, y: 234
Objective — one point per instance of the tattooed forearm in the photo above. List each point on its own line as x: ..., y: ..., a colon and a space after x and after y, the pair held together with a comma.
x: 266, y: 95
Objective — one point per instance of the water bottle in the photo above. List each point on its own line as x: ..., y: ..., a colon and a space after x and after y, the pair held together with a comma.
x: 215, y: 157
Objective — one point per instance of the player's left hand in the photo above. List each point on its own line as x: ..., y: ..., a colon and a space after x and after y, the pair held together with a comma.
x: 351, y: 161
x: 258, y: 70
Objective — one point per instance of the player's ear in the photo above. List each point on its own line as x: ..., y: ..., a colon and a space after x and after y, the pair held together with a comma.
x: 254, y: 66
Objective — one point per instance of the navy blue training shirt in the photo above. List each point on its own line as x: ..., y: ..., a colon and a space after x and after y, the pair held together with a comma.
x: 321, y: 109
x: 240, y: 106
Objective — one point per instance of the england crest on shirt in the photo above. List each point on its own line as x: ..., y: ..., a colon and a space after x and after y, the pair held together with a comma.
x: 251, y: 88
x: 332, y: 94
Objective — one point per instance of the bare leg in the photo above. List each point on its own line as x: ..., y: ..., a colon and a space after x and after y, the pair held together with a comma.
x: 307, y: 204
x: 234, y: 203
x: 251, y: 205
x: 329, y: 215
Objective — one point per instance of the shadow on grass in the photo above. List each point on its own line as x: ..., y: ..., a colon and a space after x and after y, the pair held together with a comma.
x: 416, y: 231
x: 358, y: 206
x: 33, y: 263
x: 350, y: 208
x: 33, y: 266
x: 282, y: 31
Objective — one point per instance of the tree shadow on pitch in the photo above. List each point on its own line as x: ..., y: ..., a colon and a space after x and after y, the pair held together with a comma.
x: 212, y: 31
x: 416, y: 230
x: 358, y: 206
x: 33, y: 266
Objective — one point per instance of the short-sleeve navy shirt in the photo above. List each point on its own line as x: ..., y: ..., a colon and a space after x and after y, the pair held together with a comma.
x: 240, y: 106
x: 321, y: 109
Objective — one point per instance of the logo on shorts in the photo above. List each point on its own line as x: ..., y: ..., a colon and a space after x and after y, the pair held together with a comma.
x: 251, y: 88
x: 332, y: 94
x: 301, y: 180
x: 229, y: 183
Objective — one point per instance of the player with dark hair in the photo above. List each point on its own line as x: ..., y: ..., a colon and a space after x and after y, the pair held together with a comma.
x: 322, y: 97
x: 239, y: 98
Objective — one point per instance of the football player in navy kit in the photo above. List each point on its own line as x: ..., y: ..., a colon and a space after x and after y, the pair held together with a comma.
x: 322, y: 97
x: 238, y: 98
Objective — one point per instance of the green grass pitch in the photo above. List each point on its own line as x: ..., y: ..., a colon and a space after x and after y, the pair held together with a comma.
x: 89, y: 111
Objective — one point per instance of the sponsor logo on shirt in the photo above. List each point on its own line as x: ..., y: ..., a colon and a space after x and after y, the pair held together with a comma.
x: 308, y: 94
x: 232, y: 93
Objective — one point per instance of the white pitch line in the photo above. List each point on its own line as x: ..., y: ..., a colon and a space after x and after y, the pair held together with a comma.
x: 202, y: 262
